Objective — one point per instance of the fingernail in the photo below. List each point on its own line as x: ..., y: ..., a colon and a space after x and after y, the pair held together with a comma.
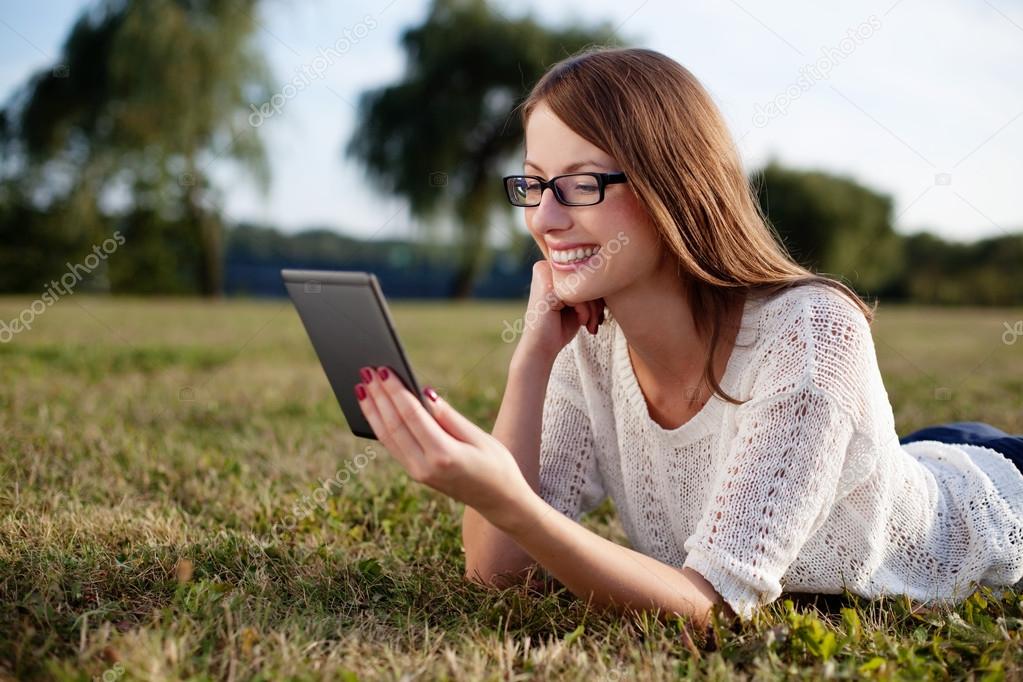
x: 384, y: 373
x: 360, y: 391
x: 430, y: 393
x: 367, y: 375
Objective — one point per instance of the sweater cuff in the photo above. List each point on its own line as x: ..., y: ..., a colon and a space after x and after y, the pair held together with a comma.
x: 736, y: 589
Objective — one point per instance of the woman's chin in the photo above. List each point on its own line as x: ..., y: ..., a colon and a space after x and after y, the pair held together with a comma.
x: 575, y: 288
x: 574, y: 297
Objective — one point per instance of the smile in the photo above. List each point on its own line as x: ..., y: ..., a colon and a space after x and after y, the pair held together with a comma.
x: 572, y: 256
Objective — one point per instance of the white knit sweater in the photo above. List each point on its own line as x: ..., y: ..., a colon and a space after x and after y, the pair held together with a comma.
x: 804, y: 488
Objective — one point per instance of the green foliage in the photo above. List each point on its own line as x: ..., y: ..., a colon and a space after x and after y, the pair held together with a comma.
x: 146, y: 94
x: 984, y: 272
x: 159, y: 256
x: 254, y: 243
x: 37, y: 244
x: 832, y: 224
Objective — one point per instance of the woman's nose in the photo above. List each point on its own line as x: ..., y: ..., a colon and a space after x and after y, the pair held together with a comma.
x: 550, y: 214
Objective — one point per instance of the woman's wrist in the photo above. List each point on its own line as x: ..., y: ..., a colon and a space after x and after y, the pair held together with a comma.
x: 519, y: 514
x: 528, y: 359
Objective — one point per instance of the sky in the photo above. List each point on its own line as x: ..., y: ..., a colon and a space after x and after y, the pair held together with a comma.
x: 919, y: 100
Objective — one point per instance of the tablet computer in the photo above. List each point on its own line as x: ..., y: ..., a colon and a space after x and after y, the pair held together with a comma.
x: 348, y: 322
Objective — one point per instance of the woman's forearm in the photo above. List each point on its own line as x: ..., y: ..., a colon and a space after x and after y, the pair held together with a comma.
x: 609, y: 575
x: 488, y: 550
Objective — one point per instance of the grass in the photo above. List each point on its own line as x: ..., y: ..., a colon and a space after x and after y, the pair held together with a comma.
x: 164, y: 515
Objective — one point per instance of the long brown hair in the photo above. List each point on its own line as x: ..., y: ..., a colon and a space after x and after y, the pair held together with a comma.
x: 652, y: 115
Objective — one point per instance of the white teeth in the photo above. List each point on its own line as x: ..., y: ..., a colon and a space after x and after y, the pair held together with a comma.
x: 570, y: 255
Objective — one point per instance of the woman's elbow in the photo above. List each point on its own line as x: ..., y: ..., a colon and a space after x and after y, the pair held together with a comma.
x: 496, y: 577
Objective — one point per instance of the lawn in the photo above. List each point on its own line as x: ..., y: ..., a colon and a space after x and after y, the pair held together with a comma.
x: 164, y: 514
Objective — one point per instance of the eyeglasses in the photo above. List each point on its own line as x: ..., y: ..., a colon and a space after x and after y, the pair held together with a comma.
x: 574, y: 189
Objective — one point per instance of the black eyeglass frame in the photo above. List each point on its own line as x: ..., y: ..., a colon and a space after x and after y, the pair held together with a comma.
x: 603, y: 180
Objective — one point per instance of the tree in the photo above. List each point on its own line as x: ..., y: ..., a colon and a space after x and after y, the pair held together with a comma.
x: 983, y: 272
x: 146, y: 95
x: 832, y: 224
x: 439, y: 136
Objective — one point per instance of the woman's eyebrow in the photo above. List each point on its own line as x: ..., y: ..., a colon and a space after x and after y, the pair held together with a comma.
x: 569, y: 168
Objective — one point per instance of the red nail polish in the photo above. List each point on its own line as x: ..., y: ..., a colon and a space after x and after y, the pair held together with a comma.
x: 384, y: 373
x: 360, y: 391
x: 431, y: 394
x: 367, y: 376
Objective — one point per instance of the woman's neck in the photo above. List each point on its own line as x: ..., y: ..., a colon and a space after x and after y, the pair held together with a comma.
x: 667, y: 355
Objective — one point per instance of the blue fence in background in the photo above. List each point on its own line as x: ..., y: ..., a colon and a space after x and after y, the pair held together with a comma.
x: 504, y: 279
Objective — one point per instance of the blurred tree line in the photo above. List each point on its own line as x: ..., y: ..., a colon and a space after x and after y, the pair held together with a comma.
x: 120, y: 134
x: 834, y: 225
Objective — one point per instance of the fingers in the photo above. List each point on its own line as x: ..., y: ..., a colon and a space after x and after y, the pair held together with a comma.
x: 594, y: 315
x: 431, y: 438
x: 405, y: 422
x: 583, y: 313
x: 388, y: 425
x: 455, y: 423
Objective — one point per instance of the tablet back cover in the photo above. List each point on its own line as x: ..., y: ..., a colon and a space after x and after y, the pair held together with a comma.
x: 346, y: 317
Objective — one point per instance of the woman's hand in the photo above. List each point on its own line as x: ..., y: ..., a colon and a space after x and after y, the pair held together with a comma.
x: 550, y: 322
x: 443, y: 450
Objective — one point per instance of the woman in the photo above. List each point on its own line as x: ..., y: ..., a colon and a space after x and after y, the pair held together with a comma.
x: 728, y: 400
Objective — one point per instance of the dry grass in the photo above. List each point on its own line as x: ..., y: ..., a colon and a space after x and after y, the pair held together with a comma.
x: 162, y: 516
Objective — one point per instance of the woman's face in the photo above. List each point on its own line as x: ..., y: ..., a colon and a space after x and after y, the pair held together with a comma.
x: 628, y: 245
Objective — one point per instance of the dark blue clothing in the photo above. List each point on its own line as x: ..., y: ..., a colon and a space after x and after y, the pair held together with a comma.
x: 974, y: 433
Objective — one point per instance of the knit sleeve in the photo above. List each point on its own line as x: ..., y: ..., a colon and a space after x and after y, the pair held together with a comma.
x: 779, y: 480
x: 569, y: 478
